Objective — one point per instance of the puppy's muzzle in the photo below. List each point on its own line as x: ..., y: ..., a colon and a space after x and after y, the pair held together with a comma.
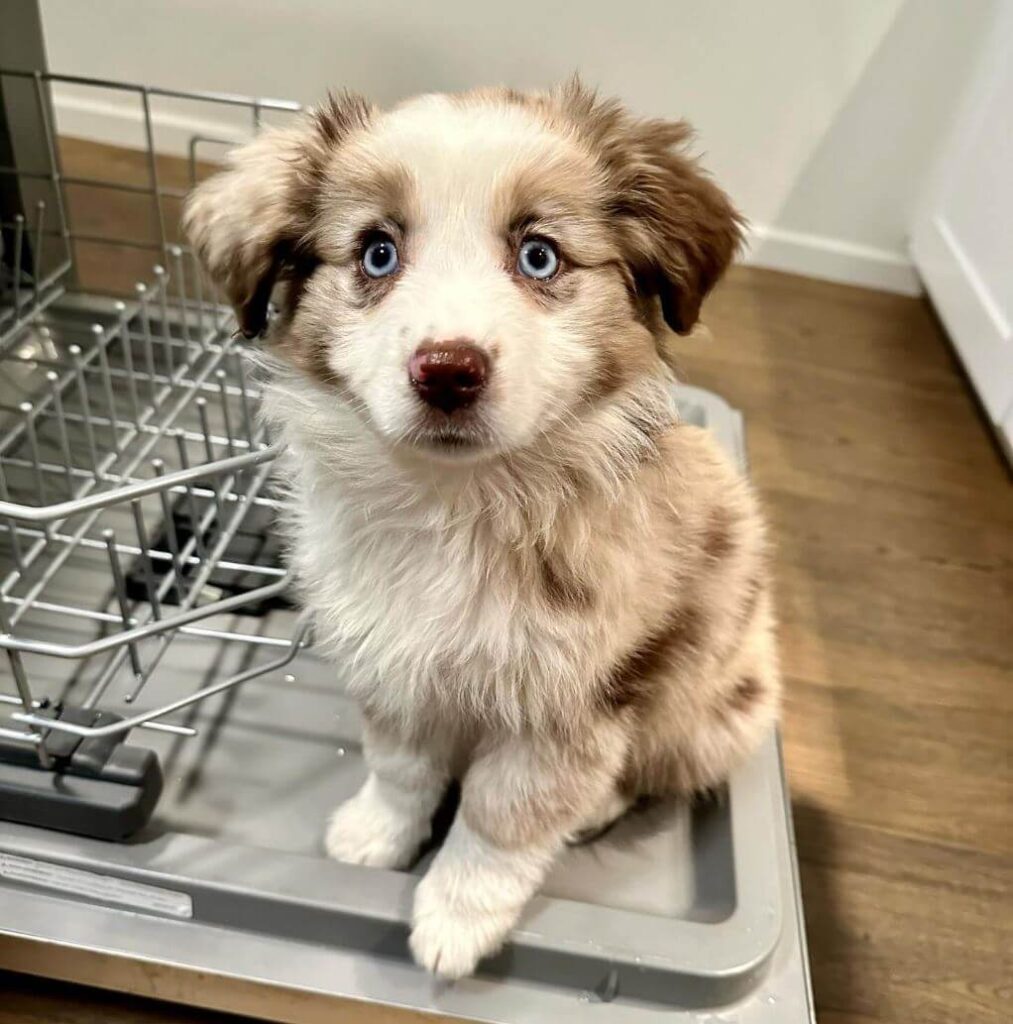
x: 448, y: 375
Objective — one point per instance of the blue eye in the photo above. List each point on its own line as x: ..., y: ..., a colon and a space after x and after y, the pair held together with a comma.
x: 537, y: 259
x: 379, y: 258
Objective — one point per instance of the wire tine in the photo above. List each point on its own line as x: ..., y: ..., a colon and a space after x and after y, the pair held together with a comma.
x: 181, y: 297
x: 61, y: 429
x: 28, y: 410
x: 40, y: 216
x: 98, y: 333
x: 149, y: 569
x: 12, y: 526
x: 198, y: 282
x: 209, y: 456
x: 82, y: 394
x: 119, y: 585
x: 33, y: 444
x: 223, y: 391
x: 170, y: 727
x: 24, y: 693
x: 170, y: 532
x: 202, y: 415
x: 128, y: 359
x: 18, y: 670
x: 55, y: 164
x: 161, y: 286
x: 244, y: 395
x: 19, y: 234
x: 192, y: 158
x: 149, y: 139
x: 191, y: 497
x: 149, y: 351
x: 21, y: 683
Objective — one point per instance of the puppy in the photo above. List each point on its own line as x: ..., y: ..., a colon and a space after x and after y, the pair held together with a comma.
x: 541, y: 582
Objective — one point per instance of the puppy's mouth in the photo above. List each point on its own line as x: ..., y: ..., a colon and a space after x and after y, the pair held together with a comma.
x: 450, y: 440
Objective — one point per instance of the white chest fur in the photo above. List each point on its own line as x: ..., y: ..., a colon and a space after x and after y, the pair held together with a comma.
x: 427, y: 606
x: 431, y: 583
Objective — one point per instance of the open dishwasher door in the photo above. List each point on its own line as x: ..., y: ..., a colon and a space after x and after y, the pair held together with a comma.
x: 144, y: 615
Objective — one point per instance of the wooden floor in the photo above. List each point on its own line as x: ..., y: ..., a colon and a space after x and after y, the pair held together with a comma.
x: 893, y: 514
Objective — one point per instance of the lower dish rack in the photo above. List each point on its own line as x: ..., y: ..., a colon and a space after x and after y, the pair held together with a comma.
x: 134, y: 509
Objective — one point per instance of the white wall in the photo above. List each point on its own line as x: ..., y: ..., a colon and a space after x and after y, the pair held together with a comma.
x: 818, y: 116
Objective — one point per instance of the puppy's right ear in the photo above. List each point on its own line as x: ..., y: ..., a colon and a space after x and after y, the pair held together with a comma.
x: 249, y: 223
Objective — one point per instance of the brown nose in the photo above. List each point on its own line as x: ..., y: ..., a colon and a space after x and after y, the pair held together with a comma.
x: 448, y: 374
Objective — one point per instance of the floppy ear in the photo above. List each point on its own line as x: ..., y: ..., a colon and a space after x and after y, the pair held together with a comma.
x: 682, y: 230
x: 678, y: 230
x: 249, y: 223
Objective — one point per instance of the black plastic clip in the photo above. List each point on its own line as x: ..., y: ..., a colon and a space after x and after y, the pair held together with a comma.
x: 96, y: 786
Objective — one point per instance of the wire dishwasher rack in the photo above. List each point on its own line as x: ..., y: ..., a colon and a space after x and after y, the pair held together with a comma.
x: 140, y: 590
x: 130, y: 458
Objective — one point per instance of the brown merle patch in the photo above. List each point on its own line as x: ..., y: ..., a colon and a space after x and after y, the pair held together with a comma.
x: 307, y: 351
x: 747, y: 693
x: 631, y: 680
x: 609, y: 374
x: 371, y: 290
x: 341, y: 114
x: 333, y: 121
x: 561, y: 587
x: 574, y: 481
x: 719, y: 537
x: 549, y: 294
x: 648, y: 427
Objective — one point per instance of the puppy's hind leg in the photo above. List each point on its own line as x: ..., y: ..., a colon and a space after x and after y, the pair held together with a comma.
x: 613, y: 806
x: 520, y: 801
x: 390, y: 817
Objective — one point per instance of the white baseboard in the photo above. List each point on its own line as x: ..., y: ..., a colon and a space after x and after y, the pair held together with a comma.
x: 831, y: 259
x: 119, y: 122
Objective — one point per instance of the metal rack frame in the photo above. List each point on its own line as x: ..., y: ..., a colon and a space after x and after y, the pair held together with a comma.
x: 131, y: 414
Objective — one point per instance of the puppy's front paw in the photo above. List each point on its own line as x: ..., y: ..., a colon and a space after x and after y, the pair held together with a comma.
x: 449, y: 938
x: 366, y: 830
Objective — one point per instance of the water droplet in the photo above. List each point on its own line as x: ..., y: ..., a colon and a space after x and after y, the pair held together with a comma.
x: 341, y: 751
x: 771, y: 1000
x: 288, y: 678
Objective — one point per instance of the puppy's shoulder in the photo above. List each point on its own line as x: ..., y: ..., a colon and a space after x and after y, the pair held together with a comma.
x: 693, y: 461
x: 712, y: 500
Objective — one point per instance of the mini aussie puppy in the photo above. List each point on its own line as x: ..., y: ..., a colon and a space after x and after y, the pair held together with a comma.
x: 544, y: 585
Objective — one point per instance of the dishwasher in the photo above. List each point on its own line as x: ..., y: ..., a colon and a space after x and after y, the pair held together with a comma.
x: 171, y: 743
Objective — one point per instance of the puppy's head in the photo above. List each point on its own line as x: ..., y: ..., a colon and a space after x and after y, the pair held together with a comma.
x: 468, y: 271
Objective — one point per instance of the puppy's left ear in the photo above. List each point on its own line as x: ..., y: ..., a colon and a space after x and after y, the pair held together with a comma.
x: 677, y: 229
x: 681, y: 231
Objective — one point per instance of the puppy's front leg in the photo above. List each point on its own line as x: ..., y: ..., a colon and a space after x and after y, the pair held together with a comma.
x: 390, y: 817
x: 521, y: 799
